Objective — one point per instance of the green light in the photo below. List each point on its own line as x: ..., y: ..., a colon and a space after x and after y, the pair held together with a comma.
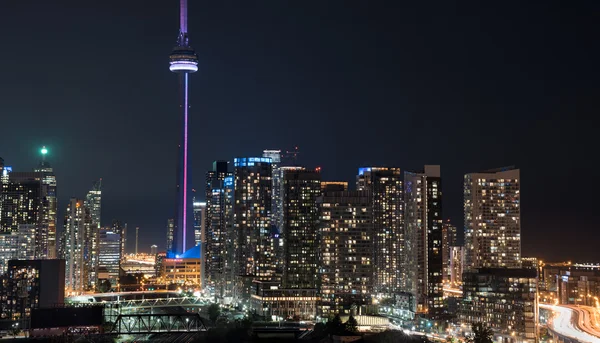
x: 44, y: 151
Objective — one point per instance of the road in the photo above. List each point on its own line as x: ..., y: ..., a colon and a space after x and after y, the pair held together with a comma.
x: 577, y: 322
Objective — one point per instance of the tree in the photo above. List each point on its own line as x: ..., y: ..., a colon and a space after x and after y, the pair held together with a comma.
x: 213, y: 312
x: 351, y: 324
x: 481, y: 334
x: 104, y: 286
x: 334, y: 326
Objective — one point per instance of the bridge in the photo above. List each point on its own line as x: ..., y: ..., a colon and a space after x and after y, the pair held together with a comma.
x: 145, y: 302
x: 157, y: 323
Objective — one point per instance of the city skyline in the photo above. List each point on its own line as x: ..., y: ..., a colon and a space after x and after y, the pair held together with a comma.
x: 338, y: 159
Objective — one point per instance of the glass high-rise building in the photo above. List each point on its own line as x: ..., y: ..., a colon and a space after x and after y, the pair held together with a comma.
x: 255, y: 247
x: 346, y: 249
x: 385, y: 185
x: 109, y: 255
x: 423, y: 238
x: 93, y: 202
x: 492, y: 219
x: 300, y: 189
x: 218, y: 224
x: 30, y: 198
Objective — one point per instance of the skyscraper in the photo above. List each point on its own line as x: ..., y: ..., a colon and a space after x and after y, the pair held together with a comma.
x: 93, y: 202
x: 183, y: 61
x: 449, y: 240
x: 109, y: 255
x: 423, y: 222
x: 199, y: 223
x: 346, y: 226
x: 493, y: 219
x: 276, y: 202
x: 30, y: 198
x: 300, y: 189
x: 218, y: 225
x: 46, y: 233
x: 74, y: 241
x: 255, y: 250
x: 385, y: 185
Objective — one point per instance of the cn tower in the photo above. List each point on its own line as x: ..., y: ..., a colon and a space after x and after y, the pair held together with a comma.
x: 183, y: 61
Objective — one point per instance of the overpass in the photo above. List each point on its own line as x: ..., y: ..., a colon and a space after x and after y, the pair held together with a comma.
x: 574, y: 324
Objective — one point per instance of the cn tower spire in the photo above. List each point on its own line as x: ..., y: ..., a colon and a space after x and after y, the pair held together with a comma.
x: 183, y: 61
x: 183, y: 16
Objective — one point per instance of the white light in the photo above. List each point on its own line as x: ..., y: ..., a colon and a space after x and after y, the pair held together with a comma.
x: 182, y: 66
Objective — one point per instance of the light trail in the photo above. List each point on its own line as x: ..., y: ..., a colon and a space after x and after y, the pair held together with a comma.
x: 565, y: 323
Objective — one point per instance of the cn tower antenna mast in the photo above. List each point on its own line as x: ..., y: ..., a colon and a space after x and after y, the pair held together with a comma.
x: 183, y: 61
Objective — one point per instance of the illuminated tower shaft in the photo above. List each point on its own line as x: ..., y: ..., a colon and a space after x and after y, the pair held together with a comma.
x: 183, y: 60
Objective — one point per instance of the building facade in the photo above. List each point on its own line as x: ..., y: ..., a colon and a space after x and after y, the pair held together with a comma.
x: 109, y: 255
x: 31, y: 284
x: 449, y: 240
x: 92, y: 203
x: 423, y: 221
x: 503, y: 298
x: 385, y: 185
x: 492, y: 219
x: 75, y: 230
x: 300, y: 189
x: 346, y: 227
x: 255, y: 245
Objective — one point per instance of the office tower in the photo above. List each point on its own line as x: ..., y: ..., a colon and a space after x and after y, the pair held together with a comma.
x: 75, y: 230
x: 170, y: 232
x: 423, y: 241
x: 493, y: 219
x: 385, y: 186
x: 109, y: 255
x: 31, y: 284
x: 218, y: 225
x: 505, y: 299
x: 121, y: 229
x: 137, y: 236
x: 346, y: 226
x: 183, y: 61
x: 299, y: 191
x: 93, y: 202
x: 255, y: 252
x: 199, y: 223
x: 153, y: 249
x: 448, y: 241
x: 334, y: 186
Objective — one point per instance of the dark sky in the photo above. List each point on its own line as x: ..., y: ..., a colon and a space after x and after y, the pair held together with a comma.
x: 470, y: 86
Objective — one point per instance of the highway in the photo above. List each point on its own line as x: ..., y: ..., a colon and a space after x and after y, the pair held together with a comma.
x: 577, y: 322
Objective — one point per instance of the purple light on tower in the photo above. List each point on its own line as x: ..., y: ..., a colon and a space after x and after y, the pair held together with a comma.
x: 183, y: 60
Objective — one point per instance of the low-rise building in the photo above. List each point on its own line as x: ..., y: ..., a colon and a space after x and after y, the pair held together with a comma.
x: 276, y: 303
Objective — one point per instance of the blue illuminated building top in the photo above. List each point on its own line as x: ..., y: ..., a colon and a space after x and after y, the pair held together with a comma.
x: 250, y: 161
x: 194, y: 252
x: 361, y: 171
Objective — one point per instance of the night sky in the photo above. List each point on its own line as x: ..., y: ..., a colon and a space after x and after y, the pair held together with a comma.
x: 352, y: 83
